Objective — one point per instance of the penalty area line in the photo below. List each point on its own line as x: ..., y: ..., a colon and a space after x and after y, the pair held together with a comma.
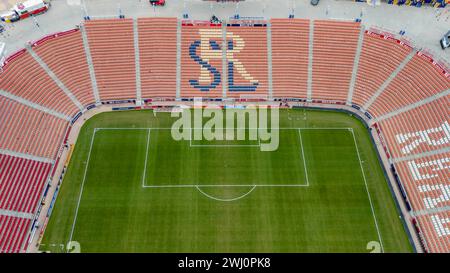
x: 303, y: 155
x: 241, y: 128
x: 146, y: 157
x: 224, y: 185
x: 225, y: 199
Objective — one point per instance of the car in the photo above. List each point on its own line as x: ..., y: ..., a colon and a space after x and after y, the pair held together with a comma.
x: 9, y: 16
x: 2, y: 28
x: 314, y: 2
x: 445, y: 41
x: 24, y: 10
x: 157, y: 2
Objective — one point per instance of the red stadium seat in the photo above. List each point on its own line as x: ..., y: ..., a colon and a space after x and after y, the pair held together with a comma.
x: 416, y: 138
x: 158, y: 56
x: 112, y: 51
x: 65, y: 56
x: 290, y: 48
x: 334, y: 50
x: 380, y: 56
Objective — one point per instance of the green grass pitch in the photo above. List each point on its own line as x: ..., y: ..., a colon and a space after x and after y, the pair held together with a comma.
x: 137, y: 190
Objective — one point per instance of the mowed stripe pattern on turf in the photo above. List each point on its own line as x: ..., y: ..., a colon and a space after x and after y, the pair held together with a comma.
x: 183, y: 219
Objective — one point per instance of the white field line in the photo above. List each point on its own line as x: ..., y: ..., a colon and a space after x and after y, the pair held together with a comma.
x: 303, y: 155
x: 226, y: 200
x: 169, y: 128
x: 146, y: 157
x: 239, y: 185
x: 82, y: 185
x: 225, y: 185
x: 224, y: 145
x: 368, y: 193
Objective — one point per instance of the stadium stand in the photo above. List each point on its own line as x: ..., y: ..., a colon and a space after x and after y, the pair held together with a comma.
x: 13, y: 233
x: 112, y: 51
x: 247, y: 61
x: 416, y: 138
x: 204, y: 81
x: 435, y: 229
x: 30, y: 131
x: 22, y: 183
x: 65, y: 56
x: 290, y: 46
x: 427, y: 181
x: 158, y: 52
x: 422, y: 129
x: 418, y: 80
x: 335, y: 44
x: 380, y: 56
x: 22, y: 76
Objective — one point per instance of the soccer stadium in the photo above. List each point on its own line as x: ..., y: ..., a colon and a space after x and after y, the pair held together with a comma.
x: 184, y: 126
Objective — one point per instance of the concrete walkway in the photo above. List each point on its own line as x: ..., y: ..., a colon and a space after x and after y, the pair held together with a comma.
x: 425, y: 29
x: 413, y: 105
x: 33, y: 105
x: 17, y: 214
x: 425, y: 154
x: 7, y: 4
x: 310, y: 60
x: 27, y: 156
x: 90, y: 63
x: 430, y: 211
x: 389, y: 80
x: 52, y: 75
x: 137, y: 62
x: 355, y: 66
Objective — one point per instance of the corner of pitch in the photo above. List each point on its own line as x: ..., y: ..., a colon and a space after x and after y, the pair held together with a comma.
x: 238, y: 123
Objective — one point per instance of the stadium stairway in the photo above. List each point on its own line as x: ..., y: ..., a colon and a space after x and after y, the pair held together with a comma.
x: 90, y: 64
x: 54, y: 78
